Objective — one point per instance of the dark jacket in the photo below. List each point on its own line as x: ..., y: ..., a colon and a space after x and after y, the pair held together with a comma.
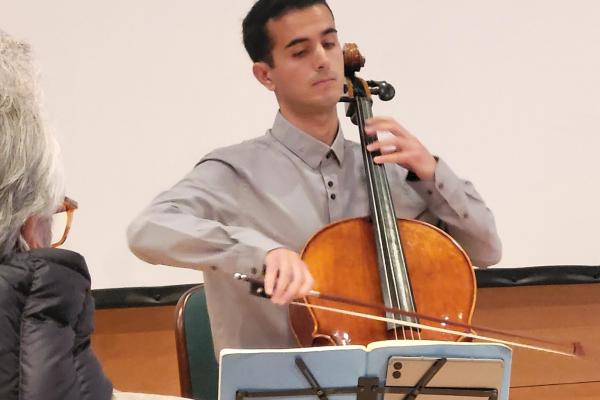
x: 46, y: 320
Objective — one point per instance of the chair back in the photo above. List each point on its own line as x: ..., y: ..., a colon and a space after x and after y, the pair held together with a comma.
x: 198, y: 369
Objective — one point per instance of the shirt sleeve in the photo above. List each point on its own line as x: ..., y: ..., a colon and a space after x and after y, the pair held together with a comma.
x: 186, y: 226
x: 462, y: 210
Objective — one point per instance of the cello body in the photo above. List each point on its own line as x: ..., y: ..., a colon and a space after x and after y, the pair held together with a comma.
x: 342, y: 259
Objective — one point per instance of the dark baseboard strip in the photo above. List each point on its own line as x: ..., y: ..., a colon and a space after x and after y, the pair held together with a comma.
x: 534, y: 276
x: 486, y: 278
x: 139, y: 296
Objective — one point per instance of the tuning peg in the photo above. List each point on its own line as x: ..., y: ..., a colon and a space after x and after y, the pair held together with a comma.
x: 384, y: 90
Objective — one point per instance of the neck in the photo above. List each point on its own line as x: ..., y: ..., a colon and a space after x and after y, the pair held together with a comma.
x: 322, y: 126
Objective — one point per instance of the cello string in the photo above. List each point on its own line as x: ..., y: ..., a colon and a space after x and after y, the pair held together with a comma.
x: 436, y: 329
x: 383, y: 231
x: 379, y: 232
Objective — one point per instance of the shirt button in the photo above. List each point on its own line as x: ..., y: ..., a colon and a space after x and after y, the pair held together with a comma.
x: 466, y: 215
x: 332, y: 196
x: 430, y: 192
x: 330, y: 184
x: 441, y: 186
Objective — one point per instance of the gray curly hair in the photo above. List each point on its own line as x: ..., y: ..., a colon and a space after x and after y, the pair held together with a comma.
x: 31, y: 178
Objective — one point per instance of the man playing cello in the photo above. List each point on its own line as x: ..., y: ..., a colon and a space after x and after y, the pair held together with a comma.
x: 250, y: 207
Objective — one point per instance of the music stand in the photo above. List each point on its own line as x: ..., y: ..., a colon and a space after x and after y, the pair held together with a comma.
x: 398, y: 370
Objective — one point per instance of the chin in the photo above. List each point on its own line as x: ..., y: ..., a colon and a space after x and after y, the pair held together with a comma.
x: 324, y: 103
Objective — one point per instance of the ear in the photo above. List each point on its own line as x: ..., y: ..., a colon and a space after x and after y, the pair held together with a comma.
x: 37, y: 232
x: 262, y: 73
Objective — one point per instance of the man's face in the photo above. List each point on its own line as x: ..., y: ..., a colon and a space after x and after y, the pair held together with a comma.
x: 308, y: 64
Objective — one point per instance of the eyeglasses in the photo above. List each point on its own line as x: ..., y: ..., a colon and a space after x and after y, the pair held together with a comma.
x: 61, y: 221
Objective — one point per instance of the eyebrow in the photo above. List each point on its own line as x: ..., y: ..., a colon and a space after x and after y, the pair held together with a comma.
x: 296, y: 41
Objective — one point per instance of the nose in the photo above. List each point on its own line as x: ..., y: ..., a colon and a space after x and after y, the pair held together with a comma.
x: 321, y: 58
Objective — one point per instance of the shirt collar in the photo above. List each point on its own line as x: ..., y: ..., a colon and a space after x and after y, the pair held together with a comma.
x: 304, y: 146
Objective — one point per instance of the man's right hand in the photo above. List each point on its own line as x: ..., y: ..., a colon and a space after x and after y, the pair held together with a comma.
x: 286, y: 276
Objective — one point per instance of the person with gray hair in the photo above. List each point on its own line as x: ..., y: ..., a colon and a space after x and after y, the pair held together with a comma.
x: 46, y: 307
x: 31, y: 182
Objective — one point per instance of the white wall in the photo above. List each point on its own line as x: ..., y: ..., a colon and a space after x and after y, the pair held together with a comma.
x: 507, y: 91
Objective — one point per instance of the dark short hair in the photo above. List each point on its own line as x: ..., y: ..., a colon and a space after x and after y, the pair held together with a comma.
x: 256, y: 38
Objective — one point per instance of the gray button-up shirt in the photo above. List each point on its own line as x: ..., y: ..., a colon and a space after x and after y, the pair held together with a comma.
x: 277, y: 190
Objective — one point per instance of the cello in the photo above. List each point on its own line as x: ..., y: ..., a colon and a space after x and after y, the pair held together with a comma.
x: 402, y: 264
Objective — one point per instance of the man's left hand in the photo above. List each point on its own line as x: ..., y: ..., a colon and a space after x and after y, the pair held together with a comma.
x: 407, y: 151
